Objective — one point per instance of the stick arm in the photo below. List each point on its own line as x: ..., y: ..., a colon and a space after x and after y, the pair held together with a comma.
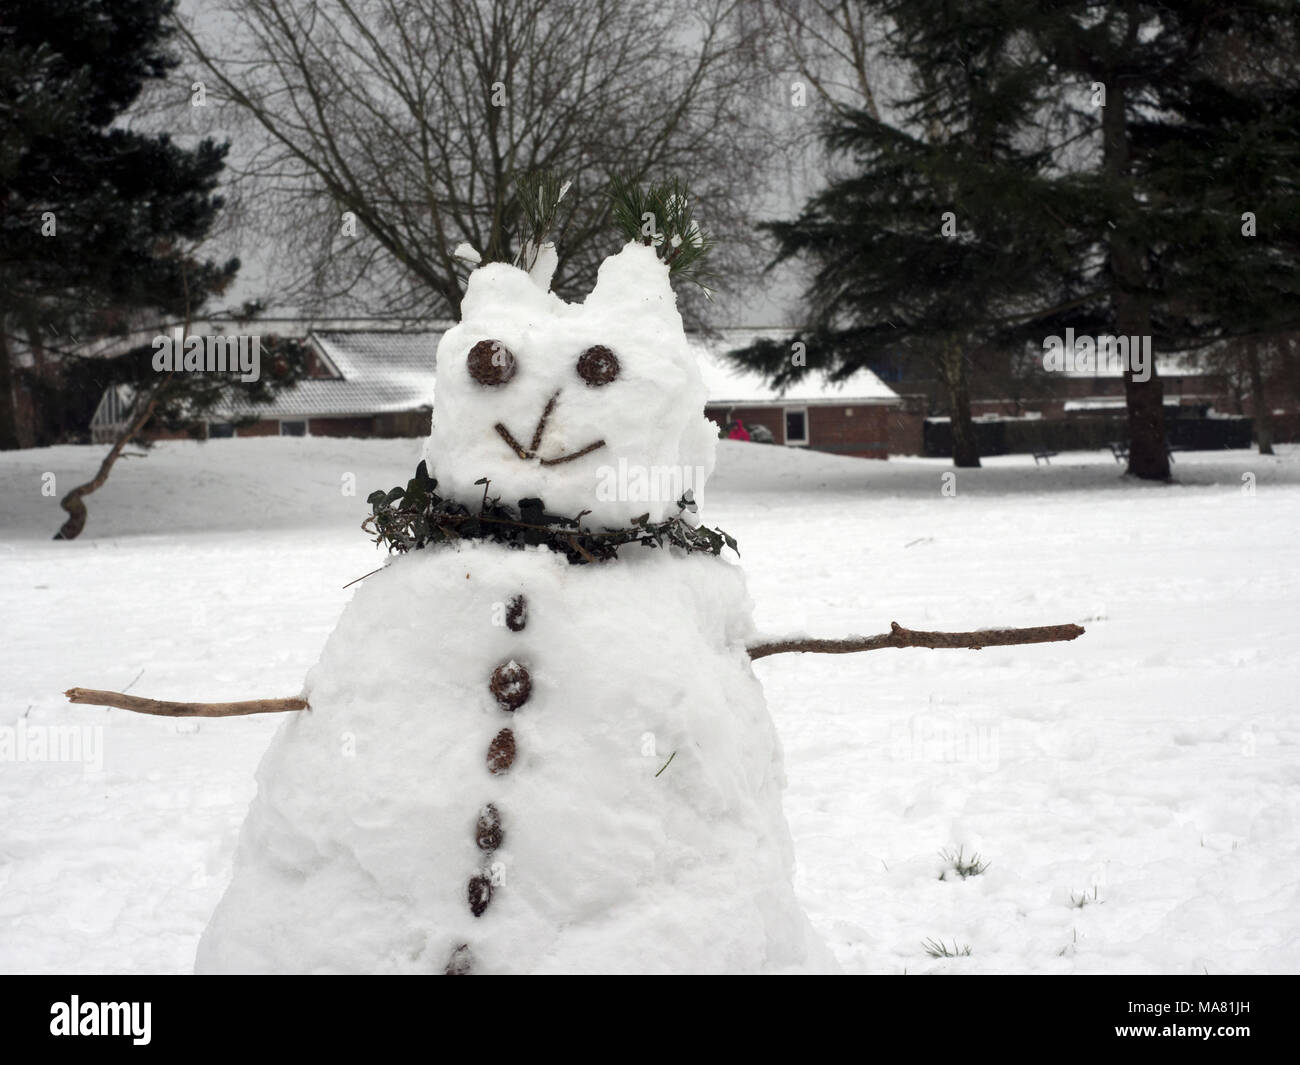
x: 901, y: 637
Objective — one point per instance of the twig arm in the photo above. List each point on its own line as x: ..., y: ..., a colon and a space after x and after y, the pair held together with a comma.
x: 896, y: 637
x: 162, y: 708
x: 901, y: 637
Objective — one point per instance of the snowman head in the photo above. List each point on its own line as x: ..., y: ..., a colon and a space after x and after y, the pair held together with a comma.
x: 595, y: 406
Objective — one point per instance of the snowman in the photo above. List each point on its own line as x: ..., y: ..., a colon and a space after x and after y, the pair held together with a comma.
x: 524, y: 755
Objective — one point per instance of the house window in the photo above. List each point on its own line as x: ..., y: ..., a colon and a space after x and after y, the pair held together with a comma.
x: 220, y: 430
x: 293, y: 428
x: 796, y: 425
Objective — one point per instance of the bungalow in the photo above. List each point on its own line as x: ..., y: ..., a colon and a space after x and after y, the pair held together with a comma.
x: 360, y: 382
x: 366, y: 381
x: 849, y: 417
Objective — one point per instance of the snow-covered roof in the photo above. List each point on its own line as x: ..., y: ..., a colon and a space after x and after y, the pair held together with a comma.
x: 1096, y: 403
x: 379, y: 373
x: 732, y: 385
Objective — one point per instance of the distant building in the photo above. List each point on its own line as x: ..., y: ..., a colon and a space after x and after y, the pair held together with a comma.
x: 851, y: 417
x: 360, y: 382
x: 366, y: 381
x: 1091, y: 401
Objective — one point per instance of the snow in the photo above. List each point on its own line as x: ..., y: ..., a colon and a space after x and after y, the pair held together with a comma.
x: 361, y: 854
x: 360, y: 845
x: 728, y: 383
x: 1115, y: 403
x: 1151, y: 762
x: 649, y: 417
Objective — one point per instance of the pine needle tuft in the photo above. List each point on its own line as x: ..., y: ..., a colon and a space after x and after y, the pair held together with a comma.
x: 661, y: 217
x: 537, y: 199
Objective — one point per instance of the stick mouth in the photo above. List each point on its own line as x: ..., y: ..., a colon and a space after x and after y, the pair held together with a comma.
x: 527, y: 454
x: 573, y: 454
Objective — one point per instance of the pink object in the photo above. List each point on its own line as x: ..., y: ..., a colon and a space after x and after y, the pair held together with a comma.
x: 739, y: 432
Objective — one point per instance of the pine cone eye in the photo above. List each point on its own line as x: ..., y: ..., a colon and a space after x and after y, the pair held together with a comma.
x: 598, y: 366
x: 491, y: 363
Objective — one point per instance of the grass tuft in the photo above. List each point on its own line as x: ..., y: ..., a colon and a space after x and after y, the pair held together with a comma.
x: 961, y: 865
x: 937, y: 949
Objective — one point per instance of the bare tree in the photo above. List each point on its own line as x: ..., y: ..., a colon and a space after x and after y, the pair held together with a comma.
x: 831, y: 46
x: 386, y: 132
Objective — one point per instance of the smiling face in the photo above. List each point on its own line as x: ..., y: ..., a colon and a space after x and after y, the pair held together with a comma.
x: 595, y: 406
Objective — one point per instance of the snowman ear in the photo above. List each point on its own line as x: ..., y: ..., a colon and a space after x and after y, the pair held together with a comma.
x: 497, y: 286
x: 634, y: 283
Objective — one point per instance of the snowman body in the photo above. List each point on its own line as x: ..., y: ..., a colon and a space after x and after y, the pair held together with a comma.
x: 515, y: 764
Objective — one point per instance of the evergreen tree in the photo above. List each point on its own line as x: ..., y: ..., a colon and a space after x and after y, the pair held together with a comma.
x: 1231, y: 157
x: 95, y: 219
x: 1198, y: 128
x: 932, y: 245
x: 1119, y: 144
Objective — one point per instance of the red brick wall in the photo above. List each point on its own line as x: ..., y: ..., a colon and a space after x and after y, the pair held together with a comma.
x: 164, y: 434
x: 849, y: 430
x: 1286, y: 428
x: 406, y: 423
x: 341, y: 426
x: 864, y: 433
x: 907, y: 432
x: 403, y: 423
x: 263, y: 428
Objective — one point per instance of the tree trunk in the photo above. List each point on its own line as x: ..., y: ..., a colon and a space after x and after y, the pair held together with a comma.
x: 1148, y: 450
x: 1263, y: 416
x: 8, y: 411
x: 1148, y: 455
x: 965, y: 451
x: 72, y: 503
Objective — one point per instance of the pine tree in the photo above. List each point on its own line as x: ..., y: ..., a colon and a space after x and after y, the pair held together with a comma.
x: 932, y: 244
x: 1098, y: 158
x: 1231, y: 158
x: 1197, y: 128
x: 96, y: 220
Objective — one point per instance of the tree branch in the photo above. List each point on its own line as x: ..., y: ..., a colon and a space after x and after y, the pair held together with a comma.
x: 166, y: 709
x: 901, y: 637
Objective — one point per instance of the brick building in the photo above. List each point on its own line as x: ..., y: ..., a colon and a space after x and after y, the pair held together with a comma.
x: 1078, y: 397
x: 366, y: 381
x: 360, y: 382
x: 851, y: 417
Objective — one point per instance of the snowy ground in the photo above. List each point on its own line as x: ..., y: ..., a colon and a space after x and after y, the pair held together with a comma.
x: 1136, y: 793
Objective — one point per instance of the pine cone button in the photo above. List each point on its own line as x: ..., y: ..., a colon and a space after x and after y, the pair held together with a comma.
x: 517, y: 614
x: 511, y: 685
x: 479, y: 894
x: 501, y: 752
x: 488, y: 834
x: 460, y: 962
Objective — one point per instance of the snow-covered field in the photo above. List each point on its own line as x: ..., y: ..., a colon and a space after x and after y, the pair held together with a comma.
x: 1136, y: 793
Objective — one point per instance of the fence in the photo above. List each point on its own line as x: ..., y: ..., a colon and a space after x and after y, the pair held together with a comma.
x: 1023, y: 436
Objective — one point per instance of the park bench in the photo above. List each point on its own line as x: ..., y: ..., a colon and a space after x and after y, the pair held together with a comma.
x: 1119, y: 448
